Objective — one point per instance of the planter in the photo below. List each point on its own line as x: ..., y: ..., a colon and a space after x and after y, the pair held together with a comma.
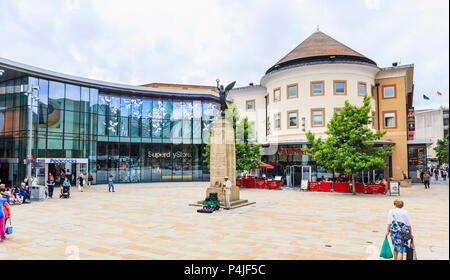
x: 406, y: 183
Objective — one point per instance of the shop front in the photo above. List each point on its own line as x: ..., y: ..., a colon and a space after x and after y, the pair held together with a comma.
x: 417, y: 159
x: 294, y: 166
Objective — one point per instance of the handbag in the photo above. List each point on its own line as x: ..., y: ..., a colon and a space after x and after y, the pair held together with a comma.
x: 9, y: 230
x: 411, y: 251
x: 405, y: 235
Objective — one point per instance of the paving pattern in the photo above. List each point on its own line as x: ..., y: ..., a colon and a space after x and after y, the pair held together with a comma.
x: 154, y: 221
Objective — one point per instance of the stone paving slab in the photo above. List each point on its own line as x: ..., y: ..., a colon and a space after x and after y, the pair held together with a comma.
x: 154, y: 221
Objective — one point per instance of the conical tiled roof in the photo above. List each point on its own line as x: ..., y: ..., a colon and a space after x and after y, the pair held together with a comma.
x: 317, y: 45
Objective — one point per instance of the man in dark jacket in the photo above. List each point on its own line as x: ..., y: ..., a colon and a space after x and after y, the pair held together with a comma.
x: 426, y: 180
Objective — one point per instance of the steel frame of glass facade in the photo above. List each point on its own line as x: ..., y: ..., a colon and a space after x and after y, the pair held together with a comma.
x: 133, y: 136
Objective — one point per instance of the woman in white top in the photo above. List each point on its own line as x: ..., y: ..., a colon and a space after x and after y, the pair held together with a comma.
x: 398, y: 219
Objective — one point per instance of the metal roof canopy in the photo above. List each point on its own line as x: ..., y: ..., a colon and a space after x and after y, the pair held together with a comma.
x: 19, y: 70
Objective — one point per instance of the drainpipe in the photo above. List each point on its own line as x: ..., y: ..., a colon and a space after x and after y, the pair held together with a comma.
x: 265, y: 97
x: 378, y: 106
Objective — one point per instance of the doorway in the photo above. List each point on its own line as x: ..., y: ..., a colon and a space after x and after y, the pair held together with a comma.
x: 299, y: 173
x: 62, y: 168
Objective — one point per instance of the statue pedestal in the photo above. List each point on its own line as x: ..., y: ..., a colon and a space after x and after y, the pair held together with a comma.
x: 223, y: 163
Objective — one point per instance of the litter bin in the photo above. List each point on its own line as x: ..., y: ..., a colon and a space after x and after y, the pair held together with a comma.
x: 37, y: 193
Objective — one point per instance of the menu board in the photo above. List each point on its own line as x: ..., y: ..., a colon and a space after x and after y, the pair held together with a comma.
x: 394, y: 188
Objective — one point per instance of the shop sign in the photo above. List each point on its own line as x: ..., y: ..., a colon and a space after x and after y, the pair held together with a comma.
x: 290, y: 151
x: 169, y: 155
x: 63, y: 160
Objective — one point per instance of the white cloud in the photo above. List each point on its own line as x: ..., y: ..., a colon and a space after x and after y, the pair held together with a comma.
x: 195, y: 42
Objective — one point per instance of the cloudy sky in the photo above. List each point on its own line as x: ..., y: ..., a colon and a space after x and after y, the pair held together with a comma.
x: 195, y: 42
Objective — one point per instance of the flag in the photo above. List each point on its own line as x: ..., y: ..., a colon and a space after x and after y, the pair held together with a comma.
x: 440, y: 94
x: 426, y: 97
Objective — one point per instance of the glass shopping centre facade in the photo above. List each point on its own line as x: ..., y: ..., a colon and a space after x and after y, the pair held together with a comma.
x: 135, y: 134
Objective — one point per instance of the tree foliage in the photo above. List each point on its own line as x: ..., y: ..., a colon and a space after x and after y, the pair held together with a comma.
x: 349, y: 147
x: 248, y: 154
x: 442, y: 150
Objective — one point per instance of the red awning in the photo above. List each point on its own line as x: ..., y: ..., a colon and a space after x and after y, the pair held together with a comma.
x: 264, y: 166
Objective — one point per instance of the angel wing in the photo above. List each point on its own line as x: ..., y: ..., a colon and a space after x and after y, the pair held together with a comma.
x: 230, y: 86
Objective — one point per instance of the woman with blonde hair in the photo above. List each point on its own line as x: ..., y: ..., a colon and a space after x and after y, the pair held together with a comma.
x: 399, y: 226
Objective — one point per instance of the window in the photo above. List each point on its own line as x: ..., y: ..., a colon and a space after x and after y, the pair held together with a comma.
x: 389, y: 91
x: 292, y: 91
x: 390, y: 119
x: 250, y: 105
x: 340, y: 88
x: 277, y: 121
x: 318, y: 117
x: 337, y: 110
x: 292, y: 119
x: 276, y: 94
x: 362, y: 88
x: 317, y: 88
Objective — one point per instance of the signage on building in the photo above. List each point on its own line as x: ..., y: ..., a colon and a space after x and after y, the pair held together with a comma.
x: 169, y: 155
x: 290, y: 151
x: 63, y: 160
x: 411, y: 122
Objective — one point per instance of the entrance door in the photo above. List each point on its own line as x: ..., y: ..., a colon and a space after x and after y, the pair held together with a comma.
x: 296, y: 175
x: 306, y: 173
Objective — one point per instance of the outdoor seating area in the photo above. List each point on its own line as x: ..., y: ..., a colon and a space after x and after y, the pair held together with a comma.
x: 323, y: 186
x: 344, y: 187
x: 258, y: 183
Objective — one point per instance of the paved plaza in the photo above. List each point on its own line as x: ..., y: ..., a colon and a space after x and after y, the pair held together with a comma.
x: 154, y: 221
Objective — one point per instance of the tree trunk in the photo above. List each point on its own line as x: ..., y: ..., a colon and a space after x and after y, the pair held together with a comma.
x: 353, y: 183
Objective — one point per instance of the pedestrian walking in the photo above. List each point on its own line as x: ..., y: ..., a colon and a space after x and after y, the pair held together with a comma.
x: 81, y: 182
x: 90, y: 179
x: 426, y: 180
x: 111, y: 184
x: 6, y: 211
x: 399, y: 225
x: 2, y: 221
x: 50, y: 186
x: 421, y: 176
x: 227, y: 188
x: 436, y: 174
x: 443, y: 174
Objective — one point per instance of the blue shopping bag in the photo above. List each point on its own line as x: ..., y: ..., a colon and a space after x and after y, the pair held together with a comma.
x: 9, y: 229
x: 386, y: 252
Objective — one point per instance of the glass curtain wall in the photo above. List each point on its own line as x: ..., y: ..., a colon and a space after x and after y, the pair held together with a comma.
x: 132, y: 138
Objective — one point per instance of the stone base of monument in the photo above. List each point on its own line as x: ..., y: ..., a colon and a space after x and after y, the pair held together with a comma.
x: 235, y: 201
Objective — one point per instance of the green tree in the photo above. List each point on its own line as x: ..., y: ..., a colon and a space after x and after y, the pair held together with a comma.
x: 248, y: 154
x: 442, y: 150
x: 349, y: 147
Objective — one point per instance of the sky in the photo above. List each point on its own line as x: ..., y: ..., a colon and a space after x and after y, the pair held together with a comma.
x: 196, y: 42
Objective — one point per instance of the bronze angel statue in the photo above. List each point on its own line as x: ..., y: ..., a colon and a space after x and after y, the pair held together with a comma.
x: 223, y: 93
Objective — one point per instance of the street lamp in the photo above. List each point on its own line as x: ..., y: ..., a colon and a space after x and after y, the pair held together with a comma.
x: 30, y: 96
